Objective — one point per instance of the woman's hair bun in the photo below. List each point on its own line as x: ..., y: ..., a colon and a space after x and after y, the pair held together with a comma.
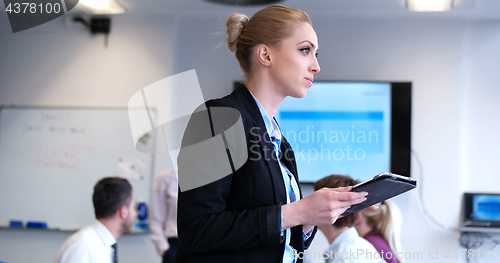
x: 234, y: 24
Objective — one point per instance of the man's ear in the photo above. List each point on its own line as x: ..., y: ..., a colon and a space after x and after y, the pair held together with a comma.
x: 263, y: 55
x: 123, y: 211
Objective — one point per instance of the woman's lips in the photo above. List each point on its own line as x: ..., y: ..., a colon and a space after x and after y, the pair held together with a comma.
x: 310, y: 81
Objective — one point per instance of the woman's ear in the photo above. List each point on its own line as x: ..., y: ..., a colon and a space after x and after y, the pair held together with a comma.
x: 263, y: 55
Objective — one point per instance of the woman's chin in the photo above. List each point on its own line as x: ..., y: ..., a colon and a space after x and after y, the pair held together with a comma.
x: 302, y: 93
x: 298, y: 93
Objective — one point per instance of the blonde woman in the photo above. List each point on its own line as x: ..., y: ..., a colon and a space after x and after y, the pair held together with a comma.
x: 381, y: 227
x: 258, y: 213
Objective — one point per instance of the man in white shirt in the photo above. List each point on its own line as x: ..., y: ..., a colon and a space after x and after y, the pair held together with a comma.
x: 346, y: 246
x: 163, y: 222
x: 114, y: 208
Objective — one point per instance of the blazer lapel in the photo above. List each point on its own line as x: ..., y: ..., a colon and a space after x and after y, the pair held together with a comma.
x: 267, y: 149
x: 288, y: 159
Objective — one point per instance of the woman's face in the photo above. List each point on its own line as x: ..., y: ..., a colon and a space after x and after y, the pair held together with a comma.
x: 294, y: 62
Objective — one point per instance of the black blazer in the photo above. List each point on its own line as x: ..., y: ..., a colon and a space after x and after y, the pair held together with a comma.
x: 237, y: 218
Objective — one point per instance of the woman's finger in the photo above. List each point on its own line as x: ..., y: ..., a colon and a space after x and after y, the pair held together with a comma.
x: 342, y: 189
x: 349, y: 196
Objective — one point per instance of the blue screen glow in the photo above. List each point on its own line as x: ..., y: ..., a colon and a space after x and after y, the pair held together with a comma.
x: 339, y: 128
x: 486, y: 207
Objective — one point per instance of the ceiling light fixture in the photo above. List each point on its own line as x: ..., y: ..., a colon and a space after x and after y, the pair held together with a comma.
x: 244, y: 2
x: 100, y: 7
x: 429, y: 5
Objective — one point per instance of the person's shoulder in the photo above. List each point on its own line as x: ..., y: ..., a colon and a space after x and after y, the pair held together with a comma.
x: 241, y: 98
x: 370, y: 250
x: 354, y: 243
x: 166, y: 180
x: 82, y: 242
x: 166, y: 175
x: 78, y: 245
x: 214, y: 106
x: 365, y: 244
x: 83, y: 236
x: 229, y: 100
x: 378, y: 242
x: 358, y: 249
x: 373, y: 235
x: 239, y: 103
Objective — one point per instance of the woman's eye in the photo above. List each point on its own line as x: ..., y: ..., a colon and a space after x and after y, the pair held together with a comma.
x: 316, y: 54
x: 305, y: 50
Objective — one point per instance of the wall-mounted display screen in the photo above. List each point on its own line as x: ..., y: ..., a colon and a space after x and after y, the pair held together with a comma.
x: 356, y: 128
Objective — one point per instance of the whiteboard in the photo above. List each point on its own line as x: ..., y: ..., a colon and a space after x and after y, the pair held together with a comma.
x: 51, y: 158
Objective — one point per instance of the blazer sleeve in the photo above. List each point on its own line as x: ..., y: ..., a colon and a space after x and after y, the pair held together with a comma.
x: 204, y: 224
x: 308, y: 241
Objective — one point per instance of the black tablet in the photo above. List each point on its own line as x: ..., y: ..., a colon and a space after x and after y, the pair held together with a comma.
x: 381, y: 187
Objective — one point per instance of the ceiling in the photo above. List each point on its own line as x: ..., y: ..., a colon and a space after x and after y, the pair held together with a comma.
x: 357, y: 9
x: 462, y: 9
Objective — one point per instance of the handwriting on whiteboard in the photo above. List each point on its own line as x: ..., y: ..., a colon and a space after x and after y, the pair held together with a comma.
x: 65, y: 157
x: 54, y: 129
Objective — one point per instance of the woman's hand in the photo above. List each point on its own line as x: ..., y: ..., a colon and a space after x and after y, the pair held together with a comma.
x: 321, y: 207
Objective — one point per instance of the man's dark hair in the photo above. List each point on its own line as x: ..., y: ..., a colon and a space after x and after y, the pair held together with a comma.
x: 334, y: 181
x: 109, y: 195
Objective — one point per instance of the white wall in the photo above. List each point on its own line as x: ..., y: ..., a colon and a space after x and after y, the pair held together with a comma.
x: 197, y: 47
x: 480, y: 101
x: 52, y: 65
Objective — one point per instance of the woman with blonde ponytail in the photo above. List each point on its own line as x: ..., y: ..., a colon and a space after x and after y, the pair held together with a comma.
x: 382, y: 228
x: 257, y: 213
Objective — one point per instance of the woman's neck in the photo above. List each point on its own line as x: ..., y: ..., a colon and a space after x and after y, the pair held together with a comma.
x: 266, y: 93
